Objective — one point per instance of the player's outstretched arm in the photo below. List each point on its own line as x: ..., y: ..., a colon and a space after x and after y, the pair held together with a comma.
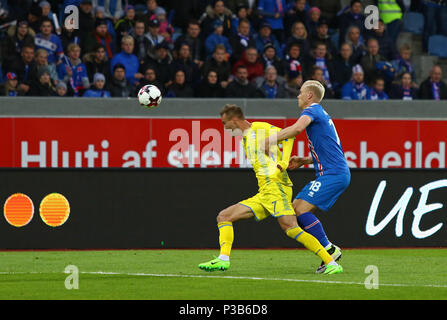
x: 289, y: 132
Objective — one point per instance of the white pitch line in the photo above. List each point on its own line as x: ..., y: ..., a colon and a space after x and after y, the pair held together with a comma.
x: 265, y: 279
x: 168, y: 275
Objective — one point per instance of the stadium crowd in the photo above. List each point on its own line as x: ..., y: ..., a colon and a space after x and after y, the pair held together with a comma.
x: 212, y: 48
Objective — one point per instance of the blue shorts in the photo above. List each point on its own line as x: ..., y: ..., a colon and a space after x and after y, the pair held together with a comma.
x: 325, y: 190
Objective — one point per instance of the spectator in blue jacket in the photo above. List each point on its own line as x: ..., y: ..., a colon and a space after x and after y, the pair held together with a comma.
x: 73, y: 72
x: 129, y: 60
x: 273, y: 12
x: 265, y: 36
x: 97, y: 90
x: 49, y: 41
x: 216, y: 38
x: 378, y: 90
x: 356, y: 89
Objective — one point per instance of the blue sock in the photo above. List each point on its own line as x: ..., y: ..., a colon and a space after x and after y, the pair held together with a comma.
x: 309, y: 223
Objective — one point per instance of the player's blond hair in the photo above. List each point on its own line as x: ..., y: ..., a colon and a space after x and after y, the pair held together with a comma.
x: 316, y: 87
x: 232, y: 110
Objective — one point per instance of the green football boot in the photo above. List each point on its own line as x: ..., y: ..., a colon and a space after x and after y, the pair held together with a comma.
x: 215, y: 264
x: 333, y: 269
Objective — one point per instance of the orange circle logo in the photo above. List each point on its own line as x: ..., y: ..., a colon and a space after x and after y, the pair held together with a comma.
x: 18, y: 210
x: 54, y: 209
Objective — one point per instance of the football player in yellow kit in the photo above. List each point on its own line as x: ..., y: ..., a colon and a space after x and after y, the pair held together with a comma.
x: 274, y: 195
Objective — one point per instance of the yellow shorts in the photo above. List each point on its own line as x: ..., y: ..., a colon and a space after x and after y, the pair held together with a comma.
x: 274, y: 200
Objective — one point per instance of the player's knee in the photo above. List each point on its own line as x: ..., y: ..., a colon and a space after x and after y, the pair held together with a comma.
x: 224, y: 215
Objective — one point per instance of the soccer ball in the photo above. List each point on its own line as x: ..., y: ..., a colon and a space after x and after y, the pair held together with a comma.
x: 149, y: 96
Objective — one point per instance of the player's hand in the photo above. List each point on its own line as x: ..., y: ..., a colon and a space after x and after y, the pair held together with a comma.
x: 296, y: 162
x: 279, y: 167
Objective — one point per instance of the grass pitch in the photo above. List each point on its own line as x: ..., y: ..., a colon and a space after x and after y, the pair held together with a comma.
x: 253, y: 275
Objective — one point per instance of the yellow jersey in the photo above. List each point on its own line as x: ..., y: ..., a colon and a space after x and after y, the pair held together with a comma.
x: 265, y: 167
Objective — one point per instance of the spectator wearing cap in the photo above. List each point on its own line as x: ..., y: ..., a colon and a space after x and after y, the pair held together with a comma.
x: 16, y: 37
x: 329, y: 10
x: 43, y: 87
x: 129, y: 60
x: 299, y: 36
x: 220, y: 64
x: 356, y: 89
x: 98, y: 88
x: 241, y: 40
x: 192, y: 38
x: 100, y: 13
x: 166, y: 29
x: 86, y: 20
x: 62, y: 90
x: 322, y: 35
x: 100, y: 36
x: 273, y: 12
x: 46, y: 9
x: 119, y: 86
x: 269, y: 58
x: 250, y: 59
x: 113, y: 9
x: 49, y: 41
x: 153, y: 35
x: 216, y: 38
x: 179, y: 88
x: 265, y: 36
x: 125, y: 24
x: 352, y: 17
x: 10, y: 87
x: 97, y: 62
x: 295, y: 14
x: 73, y: 72
x: 216, y: 12
x: 184, y: 62
x: 312, y: 24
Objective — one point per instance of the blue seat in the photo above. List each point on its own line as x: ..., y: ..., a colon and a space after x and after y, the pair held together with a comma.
x: 437, y: 46
x: 413, y: 22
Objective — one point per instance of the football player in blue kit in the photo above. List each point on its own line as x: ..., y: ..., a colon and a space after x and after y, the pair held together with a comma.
x: 332, y: 171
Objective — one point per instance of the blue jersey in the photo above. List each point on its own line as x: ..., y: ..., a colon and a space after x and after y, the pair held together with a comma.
x: 324, y: 143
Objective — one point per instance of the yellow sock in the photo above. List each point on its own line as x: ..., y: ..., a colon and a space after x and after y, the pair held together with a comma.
x: 226, y: 237
x: 310, y: 242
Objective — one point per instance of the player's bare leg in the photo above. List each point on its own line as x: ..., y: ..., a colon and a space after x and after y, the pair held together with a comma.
x: 304, y: 211
x: 225, y: 220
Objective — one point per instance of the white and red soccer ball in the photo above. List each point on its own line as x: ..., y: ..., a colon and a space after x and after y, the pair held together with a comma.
x: 149, y: 96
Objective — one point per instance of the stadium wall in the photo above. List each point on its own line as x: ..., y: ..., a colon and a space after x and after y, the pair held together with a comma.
x: 177, y: 208
x: 79, y: 132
